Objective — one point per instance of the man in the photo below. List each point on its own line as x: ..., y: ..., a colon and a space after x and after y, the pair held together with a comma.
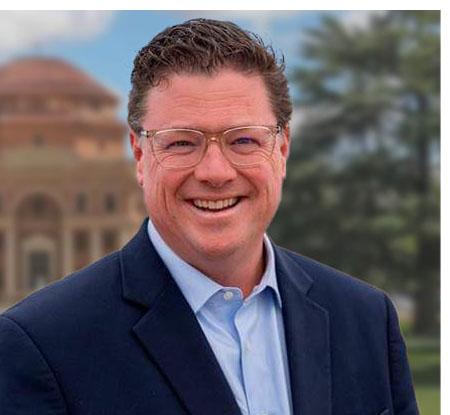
x: 200, y: 313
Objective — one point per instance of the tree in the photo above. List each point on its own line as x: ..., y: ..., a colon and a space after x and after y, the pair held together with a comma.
x: 363, y: 190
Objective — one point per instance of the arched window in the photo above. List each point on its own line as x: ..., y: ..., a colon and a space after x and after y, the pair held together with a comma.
x: 39, y: 269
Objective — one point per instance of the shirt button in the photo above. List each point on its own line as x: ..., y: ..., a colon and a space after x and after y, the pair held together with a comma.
x: 228, y: 295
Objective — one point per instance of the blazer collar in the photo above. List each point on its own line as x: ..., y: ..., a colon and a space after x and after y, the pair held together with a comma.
x: 170, y: 333
x: 168, y: 324
x: 306, y: 325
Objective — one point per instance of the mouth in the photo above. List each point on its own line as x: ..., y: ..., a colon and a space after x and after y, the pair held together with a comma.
x: 215, y: 205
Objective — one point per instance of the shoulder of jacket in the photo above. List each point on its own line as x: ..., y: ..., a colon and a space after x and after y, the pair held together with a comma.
x: 74, y: 290
x: 329, y: 280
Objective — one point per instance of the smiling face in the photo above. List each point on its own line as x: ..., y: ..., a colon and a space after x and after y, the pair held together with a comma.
x: 213, y: 210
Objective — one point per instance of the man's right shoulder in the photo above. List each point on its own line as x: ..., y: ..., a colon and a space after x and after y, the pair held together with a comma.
x: 71, y: 297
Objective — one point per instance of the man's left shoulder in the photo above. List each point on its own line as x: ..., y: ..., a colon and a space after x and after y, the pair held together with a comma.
x: 329, y: 286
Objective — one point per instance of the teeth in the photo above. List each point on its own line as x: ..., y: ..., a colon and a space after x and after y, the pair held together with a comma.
x: 216, y: 204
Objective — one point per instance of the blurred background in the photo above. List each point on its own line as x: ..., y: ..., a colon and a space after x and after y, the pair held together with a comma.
x: 363, y: 186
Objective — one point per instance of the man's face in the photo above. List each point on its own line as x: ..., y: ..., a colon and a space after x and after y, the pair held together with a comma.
x: 210, y: 103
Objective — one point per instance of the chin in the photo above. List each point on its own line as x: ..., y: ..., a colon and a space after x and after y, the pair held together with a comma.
x: 217, y: 247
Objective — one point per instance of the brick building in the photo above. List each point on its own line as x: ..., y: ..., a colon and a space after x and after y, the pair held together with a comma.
x: 68, y: 193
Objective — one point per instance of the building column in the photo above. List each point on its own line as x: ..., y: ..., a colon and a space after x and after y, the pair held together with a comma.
x: 96, y: 244
x: 67, y: 250
x: 10, y: 262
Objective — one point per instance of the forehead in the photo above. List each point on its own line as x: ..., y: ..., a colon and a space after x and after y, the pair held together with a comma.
x: 209, y: 102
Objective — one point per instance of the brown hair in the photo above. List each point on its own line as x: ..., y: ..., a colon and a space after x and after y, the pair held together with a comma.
x: 205, y: 46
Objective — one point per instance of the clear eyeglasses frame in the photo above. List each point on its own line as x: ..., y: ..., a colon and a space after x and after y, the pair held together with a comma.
x: 245, y: 146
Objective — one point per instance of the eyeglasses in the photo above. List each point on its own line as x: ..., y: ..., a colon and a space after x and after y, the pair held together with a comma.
x: 242, y: 146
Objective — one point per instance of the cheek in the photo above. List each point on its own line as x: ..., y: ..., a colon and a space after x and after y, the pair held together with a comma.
x: 152, y: 183
x: 269, y: 181
x: 162, y: 188
x: 278, y: 171
x: 276, y: 182
x: 279, y: 159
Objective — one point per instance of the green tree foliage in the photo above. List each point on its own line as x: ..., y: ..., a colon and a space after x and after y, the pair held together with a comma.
x: 362, y: 192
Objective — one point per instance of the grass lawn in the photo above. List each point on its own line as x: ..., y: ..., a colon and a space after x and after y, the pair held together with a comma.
x: 424, y: 358
x: 428, y: 398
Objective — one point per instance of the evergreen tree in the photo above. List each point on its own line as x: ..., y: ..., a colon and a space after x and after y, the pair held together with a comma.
x: 362, y: 192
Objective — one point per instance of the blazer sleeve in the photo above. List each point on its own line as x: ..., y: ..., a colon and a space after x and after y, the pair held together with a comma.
x: 27, y: 384
x: 402, y: 390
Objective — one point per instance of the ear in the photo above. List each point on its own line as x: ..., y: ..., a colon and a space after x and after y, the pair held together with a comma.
x: 135, y: 146
x: 138, y: 156
x: 285, y: 143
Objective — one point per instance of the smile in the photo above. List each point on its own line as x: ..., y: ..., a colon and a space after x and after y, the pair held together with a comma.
x: 215, y: 205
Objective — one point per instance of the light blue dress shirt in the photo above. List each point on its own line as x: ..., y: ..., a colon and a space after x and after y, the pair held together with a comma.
x: 246, y: 336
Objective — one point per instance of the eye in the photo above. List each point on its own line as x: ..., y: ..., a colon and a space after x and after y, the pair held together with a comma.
x: 180, y: 143
x: 177, y: 141
x: 244, y: 140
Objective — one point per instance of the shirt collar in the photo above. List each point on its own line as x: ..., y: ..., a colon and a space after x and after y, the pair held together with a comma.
x: 196, y: 287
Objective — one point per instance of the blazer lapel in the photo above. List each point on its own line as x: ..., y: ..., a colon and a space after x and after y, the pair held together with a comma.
x: 170, y: 333
x: 307, y: 339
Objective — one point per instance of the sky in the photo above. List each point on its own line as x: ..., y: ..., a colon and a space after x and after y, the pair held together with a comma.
x: 104, y: 43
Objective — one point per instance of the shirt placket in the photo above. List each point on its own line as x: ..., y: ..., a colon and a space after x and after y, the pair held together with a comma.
x: 245, y: 322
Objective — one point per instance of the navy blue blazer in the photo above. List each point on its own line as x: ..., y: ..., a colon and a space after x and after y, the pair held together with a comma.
x: 119, y: 338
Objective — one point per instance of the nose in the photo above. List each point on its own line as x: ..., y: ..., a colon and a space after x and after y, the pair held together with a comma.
x: 214, y: 168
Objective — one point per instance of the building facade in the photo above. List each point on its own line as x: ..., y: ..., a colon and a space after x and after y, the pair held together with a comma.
x: 68, y: 193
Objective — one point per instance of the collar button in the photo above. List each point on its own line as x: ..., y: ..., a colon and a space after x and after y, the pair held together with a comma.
x: 228, y: 295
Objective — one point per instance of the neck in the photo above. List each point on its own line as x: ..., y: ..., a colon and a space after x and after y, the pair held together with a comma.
x: 241, y: 269
x: 241, y: 266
